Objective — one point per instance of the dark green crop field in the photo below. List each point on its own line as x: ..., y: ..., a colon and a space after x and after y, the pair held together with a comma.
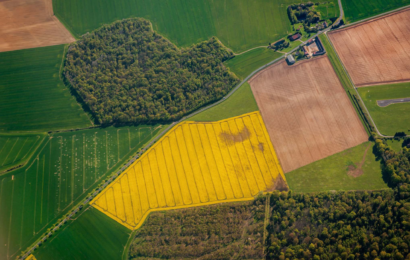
x: 63, y: 170
x: 393, y: 118
x: 239, y: 24
x: 331, y: 173
x: 242, y: 65
x: 93, y: 235
x: 356, y: 10
x: 17, y: 149
x: 32, y: 96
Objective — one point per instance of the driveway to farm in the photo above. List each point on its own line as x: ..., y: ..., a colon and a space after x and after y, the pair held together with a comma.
x: 385, y: 103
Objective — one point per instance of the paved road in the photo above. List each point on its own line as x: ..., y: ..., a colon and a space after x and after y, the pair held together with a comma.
x: 385, y: 103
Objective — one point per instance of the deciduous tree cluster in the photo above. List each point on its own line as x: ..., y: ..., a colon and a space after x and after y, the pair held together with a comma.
x: 344, y: 225
x: 396, y: 166
x: 127, y: 73
x: 225, y: 231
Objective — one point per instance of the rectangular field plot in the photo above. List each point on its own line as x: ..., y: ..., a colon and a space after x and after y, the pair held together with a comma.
x: 62, y: 171
x: 394, y: 117
x: 195, y: 163
x: 307, y: 113
x: 17, y: 149
x: 32, y: 96
x: 28, y: 24
x: 376, y: 52
x: 239, y: 24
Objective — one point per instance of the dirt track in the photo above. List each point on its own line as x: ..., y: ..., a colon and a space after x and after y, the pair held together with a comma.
x: 376, y: 52
x: 28, y: 24
x: 306, y: 111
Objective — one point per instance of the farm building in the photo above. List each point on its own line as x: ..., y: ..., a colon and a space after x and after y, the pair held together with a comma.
x: 313, y: 48
x: 290, y: 59
x: 295, y: 37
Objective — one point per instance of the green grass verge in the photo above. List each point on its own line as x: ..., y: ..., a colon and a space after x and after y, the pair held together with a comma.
x: 242, y: 65
x: 63, y: 171
x: 33, y: 98
x: 241, y: 102
x: 15, y: 150
x: 239, y: 24
x: 356, y: 10
x: 393, y: 118
x: 337, y: 65
x: 93, y: 235
x: 344, y: 80
x: 330, y: 173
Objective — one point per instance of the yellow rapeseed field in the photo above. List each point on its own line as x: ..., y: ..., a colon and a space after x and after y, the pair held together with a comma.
x: 194, y: 164
x: 31, y: 257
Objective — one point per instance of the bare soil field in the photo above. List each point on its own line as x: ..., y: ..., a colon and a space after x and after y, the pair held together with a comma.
x: 306, y: 111
x: 376, y: 52
x: 28, y: 24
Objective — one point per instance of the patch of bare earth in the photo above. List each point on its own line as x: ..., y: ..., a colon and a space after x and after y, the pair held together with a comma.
x: 28, y: 24
x: 306, y: 111
x: 356, y: 171
x: 377, y: 51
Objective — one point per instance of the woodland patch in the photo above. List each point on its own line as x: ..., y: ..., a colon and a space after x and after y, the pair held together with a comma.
x: 127, y: 73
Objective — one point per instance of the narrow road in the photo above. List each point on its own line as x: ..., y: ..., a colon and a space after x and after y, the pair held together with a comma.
x: 385, y: 103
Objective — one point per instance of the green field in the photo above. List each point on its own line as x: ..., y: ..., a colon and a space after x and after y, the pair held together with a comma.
x: 241, y: 102
x: 239, y: 24
x: 33, y: 98
x: 331, y: 173
x: 92, y: 235
x: 15, y: 150
x: 63, y: 171
x: 393, y: 118
x: 396, y: 145
x: 356, y: 10
x: 328, y: 10
x: 242, y: 65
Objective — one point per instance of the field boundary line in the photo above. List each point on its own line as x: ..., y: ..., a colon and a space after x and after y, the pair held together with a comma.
x: 266, y: 221
x: 10, y: 150
x: 24, y: 144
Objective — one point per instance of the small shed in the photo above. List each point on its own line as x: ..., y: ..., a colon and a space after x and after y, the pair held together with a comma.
x: 290, y: 59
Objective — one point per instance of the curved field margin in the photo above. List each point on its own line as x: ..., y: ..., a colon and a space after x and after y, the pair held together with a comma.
x: 376, y: 52
x: 195, y: 164
x: 28, y: 24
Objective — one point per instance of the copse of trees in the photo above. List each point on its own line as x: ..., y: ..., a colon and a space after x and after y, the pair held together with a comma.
x: 303, y: 13
x: 396, y: 166
x: 224, y: 231
x: 127, y: 73
x: 344, y: 225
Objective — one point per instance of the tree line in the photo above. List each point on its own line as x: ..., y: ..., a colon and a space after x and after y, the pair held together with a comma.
x: 127, y: 73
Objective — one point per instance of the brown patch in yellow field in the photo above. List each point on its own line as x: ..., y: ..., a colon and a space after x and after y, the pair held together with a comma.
x: 195, y: 164
x: 232, y: 138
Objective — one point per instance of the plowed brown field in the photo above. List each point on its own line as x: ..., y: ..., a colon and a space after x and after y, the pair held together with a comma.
x: 30, y: 23
x: 306, y: 111
x: 377, y: 51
